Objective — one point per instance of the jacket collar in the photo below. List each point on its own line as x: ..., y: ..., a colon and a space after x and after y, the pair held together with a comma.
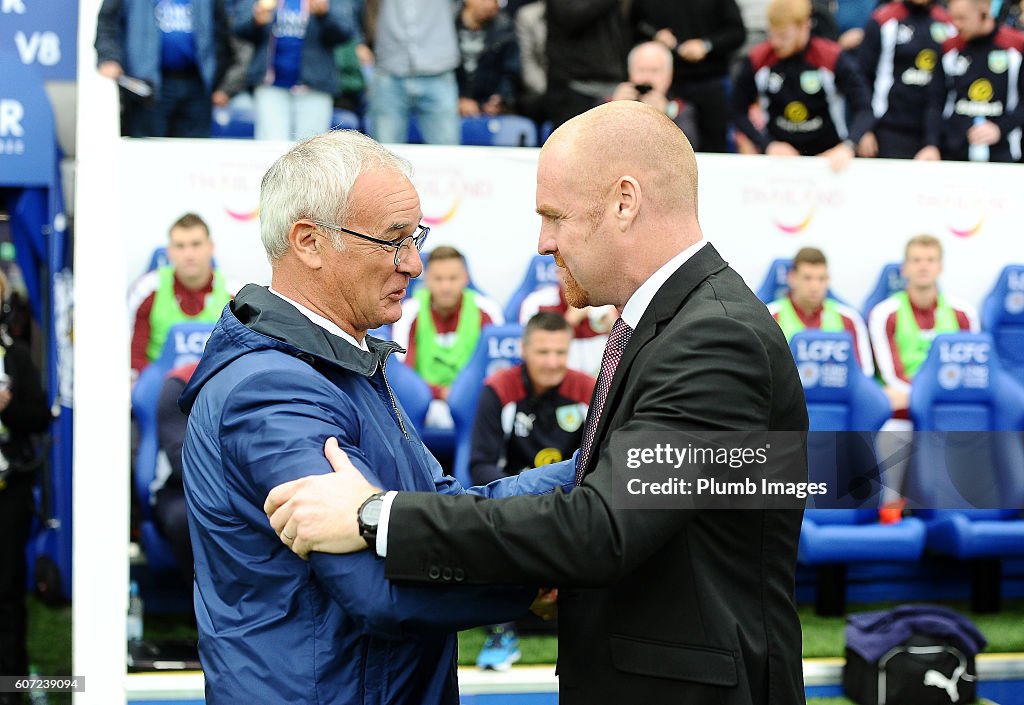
x: 262, y: 312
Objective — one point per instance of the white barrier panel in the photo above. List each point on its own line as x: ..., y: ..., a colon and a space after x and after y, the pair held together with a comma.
x: 481, y: 200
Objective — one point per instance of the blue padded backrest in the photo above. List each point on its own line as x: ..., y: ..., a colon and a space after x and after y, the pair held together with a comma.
x: 963, y: 390
x: 413, y: 393
x: 185, y: 343
x: 1002, y: 316
x: 961, y: 386
x: 889, y: 281
x: 839, y: 396
x: 774, y: 286
x: 542, y: 271
x: 844, y: 408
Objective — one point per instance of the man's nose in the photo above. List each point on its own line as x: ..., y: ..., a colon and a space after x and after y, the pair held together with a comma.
x: 411, y: 263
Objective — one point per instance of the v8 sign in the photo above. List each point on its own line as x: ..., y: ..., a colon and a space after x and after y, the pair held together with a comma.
x: 43, y: 34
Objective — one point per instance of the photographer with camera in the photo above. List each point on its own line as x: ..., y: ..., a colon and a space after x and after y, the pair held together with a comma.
x: 650, y: 81
x: 23, y: 411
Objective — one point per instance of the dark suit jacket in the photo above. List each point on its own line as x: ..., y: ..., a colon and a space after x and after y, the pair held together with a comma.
x: 656, y: 606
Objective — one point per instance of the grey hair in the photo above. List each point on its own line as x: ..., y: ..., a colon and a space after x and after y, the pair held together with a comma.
x: 314, y: 180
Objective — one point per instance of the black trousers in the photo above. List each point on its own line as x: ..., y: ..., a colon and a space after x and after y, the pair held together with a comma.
x: 563, y: 104
x: 16, y: 506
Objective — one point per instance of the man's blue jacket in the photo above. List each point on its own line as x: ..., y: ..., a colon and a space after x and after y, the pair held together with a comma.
x: 270, y: 389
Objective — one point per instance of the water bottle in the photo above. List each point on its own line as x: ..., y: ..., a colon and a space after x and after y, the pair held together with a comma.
x: 133, y: 625
x: 978, y: 152
x: 36, y: 697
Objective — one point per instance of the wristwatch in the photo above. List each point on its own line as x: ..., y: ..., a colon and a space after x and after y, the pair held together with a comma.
x: 369, y: 518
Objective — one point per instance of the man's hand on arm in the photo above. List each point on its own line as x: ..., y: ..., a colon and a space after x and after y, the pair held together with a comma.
x: 319, y: 513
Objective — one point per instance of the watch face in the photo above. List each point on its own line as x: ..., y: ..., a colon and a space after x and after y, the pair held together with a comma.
x: 371, y: 512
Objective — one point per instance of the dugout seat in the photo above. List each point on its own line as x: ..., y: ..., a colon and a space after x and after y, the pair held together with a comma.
x: 185, y: 343
x: 845, y: 409
x: 966, y: 474
x: 233, y: 123
x: 890, y: 280
x: 413, y: 393
x: 1002, y: 317
x: 542, y: 271
x: 774, y: 286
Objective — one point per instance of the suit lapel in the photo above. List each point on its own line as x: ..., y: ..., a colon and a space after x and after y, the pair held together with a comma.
x: 666, y: 303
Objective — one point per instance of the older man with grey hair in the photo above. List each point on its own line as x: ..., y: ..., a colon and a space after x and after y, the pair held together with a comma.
x: 287, y: 368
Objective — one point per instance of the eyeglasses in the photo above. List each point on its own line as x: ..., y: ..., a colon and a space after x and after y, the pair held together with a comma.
x: 399, y: 246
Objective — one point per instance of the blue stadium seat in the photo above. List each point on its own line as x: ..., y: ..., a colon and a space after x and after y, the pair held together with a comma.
x: 845, y: 409
x: 233, y: 123
x: 890, y: 280
x: 158, y: 259
x: 545, y: 131
x: 412, y: 392
x: 775, y: 285
x: 499, y: 347
x: 383, y: 332
x: 542, y: 271
x: 185, y: 343
x: 499, y: 131
x: 345, y: 120
x: 414, y: 136
x: 1002, y: 316
x: 966, y: 475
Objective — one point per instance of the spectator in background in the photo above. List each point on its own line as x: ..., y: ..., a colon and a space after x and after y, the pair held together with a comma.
x: 586, y: 47
x: 179, y: 48
x: 440, y: 326
x: 590, y: 324
x: 529, y: 415
x: 292, y: 72
x: 416, y: 54
x: 808, y: 85
x: 702, y: 35
x: 488, y: 73
x: 650, y: 81
x: 901, y: 47
x: 24, y: 411
x: 187, y: 289
x: 169, y: 508
x: 531, y: 35
x: 974, y: 110
x: 808, y: 305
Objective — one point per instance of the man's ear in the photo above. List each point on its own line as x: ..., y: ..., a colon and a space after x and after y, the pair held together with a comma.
x: 628, y: 197
x: 303, y: 240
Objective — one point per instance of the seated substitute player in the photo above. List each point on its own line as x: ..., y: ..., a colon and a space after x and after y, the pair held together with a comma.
x: 808, y: 305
